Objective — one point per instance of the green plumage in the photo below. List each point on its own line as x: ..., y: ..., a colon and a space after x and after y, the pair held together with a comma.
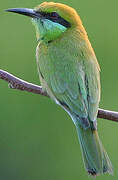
x: 69, y: 73
x: 71, y: 78
x: 95, y: 158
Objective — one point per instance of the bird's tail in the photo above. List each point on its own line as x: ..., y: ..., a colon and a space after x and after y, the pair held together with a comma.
x: 95, y: 157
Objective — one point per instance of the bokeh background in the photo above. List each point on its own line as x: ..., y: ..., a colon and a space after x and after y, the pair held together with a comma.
x: 37, y: 138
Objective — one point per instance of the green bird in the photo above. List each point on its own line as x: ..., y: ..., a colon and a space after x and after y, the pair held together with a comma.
x: 69, y: 73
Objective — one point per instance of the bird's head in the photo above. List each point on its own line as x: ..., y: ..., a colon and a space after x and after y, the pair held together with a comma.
x: 50, y: 19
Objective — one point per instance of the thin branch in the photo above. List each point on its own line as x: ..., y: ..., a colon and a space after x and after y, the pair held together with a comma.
x: 109, y: 115
x: 16, y: 83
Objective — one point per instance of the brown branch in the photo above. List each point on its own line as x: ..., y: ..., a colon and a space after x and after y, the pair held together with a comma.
x: 16, y: 83
x: 109, y: 115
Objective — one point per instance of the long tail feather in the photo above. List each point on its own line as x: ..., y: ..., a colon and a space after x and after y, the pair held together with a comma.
x: 95, y: 157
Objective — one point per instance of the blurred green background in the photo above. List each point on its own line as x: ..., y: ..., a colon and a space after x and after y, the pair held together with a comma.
x: 37, y: 138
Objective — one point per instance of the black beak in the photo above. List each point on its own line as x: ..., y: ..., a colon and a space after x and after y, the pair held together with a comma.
x: 25, y: 11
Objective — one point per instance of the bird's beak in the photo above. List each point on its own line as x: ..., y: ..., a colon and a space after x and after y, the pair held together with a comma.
x: 25, y: 11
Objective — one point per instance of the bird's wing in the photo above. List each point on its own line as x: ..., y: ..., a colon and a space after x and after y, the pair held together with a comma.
x: 74, y: 83
x: 77, y: 88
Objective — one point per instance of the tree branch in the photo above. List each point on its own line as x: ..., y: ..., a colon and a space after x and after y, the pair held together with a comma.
x: 16, y: 83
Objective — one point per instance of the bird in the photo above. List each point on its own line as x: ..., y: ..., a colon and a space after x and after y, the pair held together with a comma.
x: 70, y: 74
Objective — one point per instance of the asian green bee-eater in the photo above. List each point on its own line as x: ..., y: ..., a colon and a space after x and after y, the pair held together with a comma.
x: 69, y: 73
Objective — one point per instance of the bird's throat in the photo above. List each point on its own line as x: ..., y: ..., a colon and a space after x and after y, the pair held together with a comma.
x: 47, y: 30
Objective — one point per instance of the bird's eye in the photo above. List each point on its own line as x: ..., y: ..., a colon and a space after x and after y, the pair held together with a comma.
x: 54, y: 15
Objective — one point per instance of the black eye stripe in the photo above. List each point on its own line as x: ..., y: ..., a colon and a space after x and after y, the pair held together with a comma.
x: 53, y: 16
